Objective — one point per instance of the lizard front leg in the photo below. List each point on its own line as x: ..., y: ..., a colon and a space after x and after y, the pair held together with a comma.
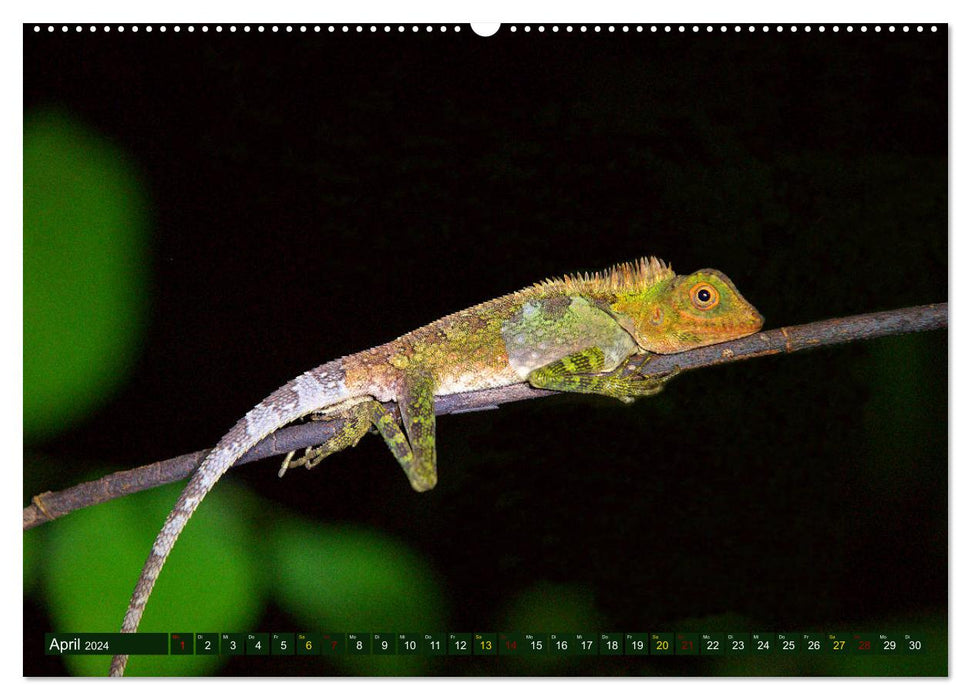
x: 579, y: 373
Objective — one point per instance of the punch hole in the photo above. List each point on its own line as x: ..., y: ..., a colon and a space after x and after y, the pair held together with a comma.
x: 485, y: 29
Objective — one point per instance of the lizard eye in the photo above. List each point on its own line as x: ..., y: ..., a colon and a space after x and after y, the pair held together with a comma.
x: 703, y: 296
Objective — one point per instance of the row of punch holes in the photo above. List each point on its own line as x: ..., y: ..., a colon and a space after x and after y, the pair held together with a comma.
x: 488, y: 30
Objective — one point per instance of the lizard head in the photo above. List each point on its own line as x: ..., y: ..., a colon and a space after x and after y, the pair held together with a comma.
x: 687, y: 311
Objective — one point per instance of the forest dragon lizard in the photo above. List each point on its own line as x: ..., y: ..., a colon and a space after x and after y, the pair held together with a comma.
x: 573, y: 334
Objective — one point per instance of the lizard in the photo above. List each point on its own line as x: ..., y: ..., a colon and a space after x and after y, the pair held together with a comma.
x: 572, y: 334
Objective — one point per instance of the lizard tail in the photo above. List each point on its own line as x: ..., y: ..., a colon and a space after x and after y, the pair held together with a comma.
x: 311, y: 391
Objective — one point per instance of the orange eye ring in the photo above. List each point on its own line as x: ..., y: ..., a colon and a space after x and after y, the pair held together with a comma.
x: 703, y: 296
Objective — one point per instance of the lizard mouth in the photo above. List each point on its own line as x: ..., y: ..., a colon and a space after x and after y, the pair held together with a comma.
x: 758, y: 320
x: 722, y: 333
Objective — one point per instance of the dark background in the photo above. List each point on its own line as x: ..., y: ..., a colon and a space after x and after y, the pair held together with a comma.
x: 316, y: 194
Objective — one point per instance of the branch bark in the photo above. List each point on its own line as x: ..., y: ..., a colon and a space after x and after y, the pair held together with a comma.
x: 50, y: 506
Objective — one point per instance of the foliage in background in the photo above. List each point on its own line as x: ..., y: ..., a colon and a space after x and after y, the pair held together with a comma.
x: 85, y: 276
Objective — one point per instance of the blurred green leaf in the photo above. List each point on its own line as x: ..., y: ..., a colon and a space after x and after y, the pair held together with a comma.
x: 84, y: 272
x: 210, y: 583
x: 33, y: 544
x: 344, y: 579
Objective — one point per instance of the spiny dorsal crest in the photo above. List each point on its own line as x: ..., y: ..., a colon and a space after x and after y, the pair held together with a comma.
x: 625, y: 277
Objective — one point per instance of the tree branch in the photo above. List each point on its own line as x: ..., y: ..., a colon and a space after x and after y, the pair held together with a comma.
x: 49, y: 506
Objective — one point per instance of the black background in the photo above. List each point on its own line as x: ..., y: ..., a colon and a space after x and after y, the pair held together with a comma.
x: 316, y: 194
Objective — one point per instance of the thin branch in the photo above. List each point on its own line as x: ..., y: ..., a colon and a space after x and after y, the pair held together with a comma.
x: 49, y: 506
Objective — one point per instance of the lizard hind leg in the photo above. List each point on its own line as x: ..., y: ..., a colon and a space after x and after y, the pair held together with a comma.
x: 412, y: 442
x: 356, y: 423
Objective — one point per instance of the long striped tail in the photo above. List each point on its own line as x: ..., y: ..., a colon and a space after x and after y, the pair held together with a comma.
x: 311, y: 391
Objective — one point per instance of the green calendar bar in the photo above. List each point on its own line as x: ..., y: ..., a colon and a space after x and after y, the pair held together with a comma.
x: 637, y: 644
x: 586, y: 642
x: 738, y: 643
x: 839, y: 644
x: 611, y: 643
x: 488, y: 643
x: 333, y: 643
x: 763, y: 643
x: 180, y: 644
x: 358, y: 643
x: 383, y: 644
x: 573, y: 644
x: 536, y: 644
x: 410, y: 644
x: 484, y: 644
x: 258, y: 644
x: 282, y: 644
x: 308, y: 644
x: 84, y: 643
x: 687, y: 644
x: 661, y: 644
x: 232, y: 644
x: 890, y: 643
x: 434, y: 644
x: 812, y: 643
x: 207, y: 644
x: 711, y: 644
x: 913, y: 644
x: 787, y: 643
x: 510, y: 643
x: 865, y: 644
x: 460, y: 643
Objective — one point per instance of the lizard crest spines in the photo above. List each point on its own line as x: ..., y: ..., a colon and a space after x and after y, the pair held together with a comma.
x: 625, y: 277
